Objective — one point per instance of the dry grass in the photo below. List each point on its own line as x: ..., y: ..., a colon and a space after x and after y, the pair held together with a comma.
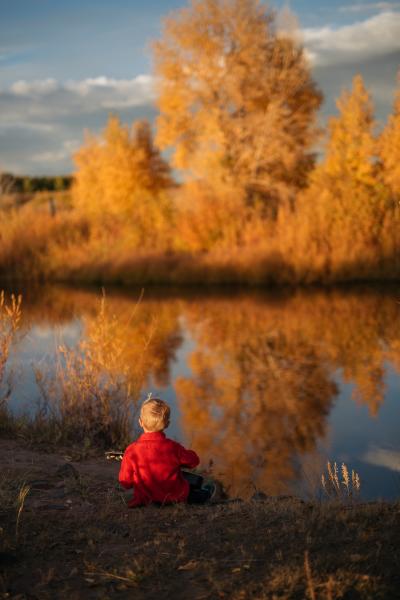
x: 29, y: 239
x: 22, y: 494
x: 341, y: 486
x: 89, y: 398
x: 88, y: 392
x: 10, y: 317
x: 214, y: 242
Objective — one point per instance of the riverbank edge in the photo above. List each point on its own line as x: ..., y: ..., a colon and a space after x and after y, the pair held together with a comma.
x: 66, y: 533
x: 205, y: 269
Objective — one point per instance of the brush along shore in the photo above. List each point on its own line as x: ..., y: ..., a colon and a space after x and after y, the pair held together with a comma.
x: 65, y: 532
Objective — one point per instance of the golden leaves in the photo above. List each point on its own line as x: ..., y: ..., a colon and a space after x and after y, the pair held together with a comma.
x: 119, y: 171
x: 237, y: 101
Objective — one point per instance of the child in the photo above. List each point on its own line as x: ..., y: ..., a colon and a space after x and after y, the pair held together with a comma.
x: 152, y: 465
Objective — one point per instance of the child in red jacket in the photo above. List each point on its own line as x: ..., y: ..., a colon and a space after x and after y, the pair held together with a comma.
x: 152, y: 465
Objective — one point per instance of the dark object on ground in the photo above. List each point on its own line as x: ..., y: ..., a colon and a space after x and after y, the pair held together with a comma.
x: 195, y: 481
x: 67, y: 470
x: 114, y: 455
x: 200, y: 493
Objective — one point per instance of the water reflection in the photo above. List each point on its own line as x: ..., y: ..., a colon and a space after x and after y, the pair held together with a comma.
x: 255, y: 377
x: 259, y: 393
x: 149, y: 328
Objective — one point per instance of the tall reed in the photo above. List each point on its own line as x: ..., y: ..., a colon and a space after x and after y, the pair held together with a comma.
x: 341, y: 485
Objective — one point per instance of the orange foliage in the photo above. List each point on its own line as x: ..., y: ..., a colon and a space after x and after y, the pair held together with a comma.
x: 122, y: 174
x: 262, y: 378
x: 345, y: 225
x: 238, y: 103
x: 236, y: 100
x: 351, y: 145
x: 389, y: 150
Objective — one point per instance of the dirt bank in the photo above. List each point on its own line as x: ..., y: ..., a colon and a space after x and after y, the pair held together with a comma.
x: 72, y: 537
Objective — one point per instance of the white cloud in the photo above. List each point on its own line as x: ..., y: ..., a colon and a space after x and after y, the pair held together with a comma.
x: 369, y: 6
x: 88, y: 94
x: 41, y: 87
x: 84, y: 86
x: 382, y: 457
x: 42, y: 120
x: 27, y: 126
x: 65, y: 152
x: 361, y: 41
x: 116, y: 93
x: 39, y: 118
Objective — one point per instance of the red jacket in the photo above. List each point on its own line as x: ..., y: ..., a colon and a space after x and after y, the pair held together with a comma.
x: 152, y: 466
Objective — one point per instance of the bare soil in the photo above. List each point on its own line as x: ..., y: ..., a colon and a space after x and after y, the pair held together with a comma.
x: 73, y: 537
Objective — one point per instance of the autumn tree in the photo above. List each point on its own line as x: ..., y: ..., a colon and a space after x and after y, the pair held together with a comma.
x: 118, y: 170
x: 389, y: 149
x: 350, y: 150
x: 341, y: 217
x: 236, y: 99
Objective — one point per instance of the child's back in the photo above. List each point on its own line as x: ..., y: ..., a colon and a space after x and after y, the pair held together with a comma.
x: 152, y: 464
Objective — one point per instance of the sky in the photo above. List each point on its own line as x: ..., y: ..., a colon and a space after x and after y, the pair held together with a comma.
x: 65, y: 65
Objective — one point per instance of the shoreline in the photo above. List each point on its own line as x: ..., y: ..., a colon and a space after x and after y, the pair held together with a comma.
x: 73, y: 537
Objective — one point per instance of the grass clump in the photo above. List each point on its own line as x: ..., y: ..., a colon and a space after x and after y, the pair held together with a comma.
x: 10, y: 318
x: 20, y: 501
x: 90, y: 397
x: 341, y: 485
x: 88, y: 392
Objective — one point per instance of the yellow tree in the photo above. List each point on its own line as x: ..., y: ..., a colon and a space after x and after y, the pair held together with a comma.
x: 236, y: 99
x: 121, y: 173
x: 344, y: 209
x: 113, y: 169
x: 351, y: 145
x: 389, y: 149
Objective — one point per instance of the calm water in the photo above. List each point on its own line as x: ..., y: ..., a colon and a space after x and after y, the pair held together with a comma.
x: 267, y: 387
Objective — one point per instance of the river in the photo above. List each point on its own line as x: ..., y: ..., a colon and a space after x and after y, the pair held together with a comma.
x: 265, y: 386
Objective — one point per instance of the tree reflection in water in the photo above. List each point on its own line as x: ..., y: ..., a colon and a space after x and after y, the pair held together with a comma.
x: 263, y: 368
x: 258, y: 396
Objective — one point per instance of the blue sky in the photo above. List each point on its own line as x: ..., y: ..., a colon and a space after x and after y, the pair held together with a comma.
x: 66, y: 64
